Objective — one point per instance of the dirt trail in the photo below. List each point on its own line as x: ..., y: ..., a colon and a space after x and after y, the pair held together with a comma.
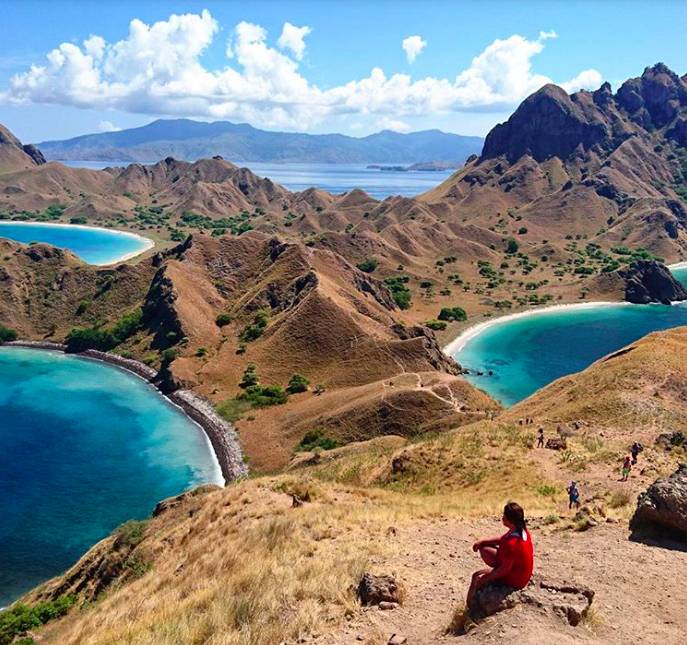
x: 639, y: 592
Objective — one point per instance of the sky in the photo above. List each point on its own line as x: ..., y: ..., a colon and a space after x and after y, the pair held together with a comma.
x: 75, y: 67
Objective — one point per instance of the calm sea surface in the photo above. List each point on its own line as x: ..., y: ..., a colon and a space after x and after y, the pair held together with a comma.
x: 84, y: 446
x: 92, y: 245
x: 334, y: 178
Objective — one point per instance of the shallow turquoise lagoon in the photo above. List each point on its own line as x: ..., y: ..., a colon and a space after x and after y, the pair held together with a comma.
x: 84, y: 446
x: 529, y: 352
x: 91, y: 244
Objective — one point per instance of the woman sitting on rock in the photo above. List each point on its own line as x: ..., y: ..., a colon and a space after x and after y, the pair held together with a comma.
x: 510, y: 557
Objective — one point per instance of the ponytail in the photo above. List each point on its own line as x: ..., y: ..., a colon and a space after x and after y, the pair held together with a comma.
x: 513, y: 513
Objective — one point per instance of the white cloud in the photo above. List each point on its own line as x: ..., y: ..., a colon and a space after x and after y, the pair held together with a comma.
x: 107, y: 126
x: 546, y: 35
x: 412, y: 46
x: 293, y: 39
x: 396, y: 125
x: 157, y: 70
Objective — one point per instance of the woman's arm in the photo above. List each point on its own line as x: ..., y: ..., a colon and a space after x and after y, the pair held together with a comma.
x: 486, y: 542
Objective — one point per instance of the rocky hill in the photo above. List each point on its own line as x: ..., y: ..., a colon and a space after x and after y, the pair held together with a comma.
x: 14, y: 155
x: 240, y: 142
x: 609, y: 167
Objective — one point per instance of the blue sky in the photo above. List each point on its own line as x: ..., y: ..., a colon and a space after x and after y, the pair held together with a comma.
x: 336, y: 67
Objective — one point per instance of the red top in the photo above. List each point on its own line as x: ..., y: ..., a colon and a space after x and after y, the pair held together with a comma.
x: 520, y: 552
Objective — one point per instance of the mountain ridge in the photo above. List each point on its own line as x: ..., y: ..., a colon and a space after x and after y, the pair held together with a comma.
x: 191, y: 140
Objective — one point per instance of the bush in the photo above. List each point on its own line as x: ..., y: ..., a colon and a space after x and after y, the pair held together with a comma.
x: 79, y: 339
x: 436, y: 325
x: 314, y: 439
x: 7, y: 334
x: 452, y: 314
x: 400, y: 293
x: 130, y: 534
x: 20, y: 618
x: 256, y: 328
x: 511, y: 246
x: 222, y: 320
x: 201, y: 351
x: 264, y: 396
x: 368, y: 266
x: 233, y: 409
x: 168, y: 355
x: 78, y: 220
x: 127, y: 325
x: 83, y: 307
x: 522, y: 230
x: 250, y: 376
x: 297, y: 383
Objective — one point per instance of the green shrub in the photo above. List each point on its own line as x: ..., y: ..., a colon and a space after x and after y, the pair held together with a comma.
x: 78, y: 220
x: 201, y: 351
x: 168, y: 355
x: 436, y: 325
x: 79, y: 339
x: 522, y: 230
x: 127, y: 325
x: 399, y: 291
x: 250, y: 376
x: 451, y: 314
x: 130, y: 534
x: 222, y: 320
x: 368, y: 266
x: 233, y: 409
x: 264, y: 396
x: 297, y: 383
x: 7, y: 334
x: 20, y: 618
x: 511, y: 246
x: 256, y: 328
x: 314, y: 439
x: 83, y: 307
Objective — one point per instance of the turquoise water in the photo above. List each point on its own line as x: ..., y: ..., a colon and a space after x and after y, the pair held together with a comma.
x: 84, y: 446
x: 92, y: 245
x: 332, y: 177
x: 530, y: 352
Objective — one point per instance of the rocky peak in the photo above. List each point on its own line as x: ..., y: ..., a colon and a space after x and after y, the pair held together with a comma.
x: 549, y: 123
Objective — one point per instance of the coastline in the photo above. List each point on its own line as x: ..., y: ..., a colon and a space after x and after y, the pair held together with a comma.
x: 220, y: 433
x: 460, y: 341
x: 147, y: 242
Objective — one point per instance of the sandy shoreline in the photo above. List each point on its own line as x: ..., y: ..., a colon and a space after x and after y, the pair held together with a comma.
x: 220, y: 434
x: 459, y: 343
x: 147, y: 242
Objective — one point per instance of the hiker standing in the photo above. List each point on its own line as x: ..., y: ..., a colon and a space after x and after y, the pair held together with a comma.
x: 573, y: 495
x: 635, y: 450
x: 540, y: 438
x: 627, y: 466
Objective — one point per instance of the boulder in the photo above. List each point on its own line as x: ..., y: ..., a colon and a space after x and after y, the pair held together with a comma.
x: 570, y: 601
x: 556, y: 443
x: 372, y: 590
x: 663, y: 506
x: 650, y: 281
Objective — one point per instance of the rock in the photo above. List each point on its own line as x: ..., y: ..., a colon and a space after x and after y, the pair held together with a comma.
x: 651, y: 281
x: 386, y: 606
x: 663, y: 506
x: 670, y: 440
x: 570, y: 601
x: 397, y: 639
x: 556, y: 443
x: 372, y: 590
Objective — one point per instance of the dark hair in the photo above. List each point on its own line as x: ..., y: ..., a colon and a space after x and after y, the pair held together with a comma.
x: 513, y: 513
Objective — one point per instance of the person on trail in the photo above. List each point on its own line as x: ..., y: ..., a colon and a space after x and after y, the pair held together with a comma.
x: 627, y: 466
x: 635, y: 450
x: 540, y: 438
x: 510, y: 557
x: 573, y: 495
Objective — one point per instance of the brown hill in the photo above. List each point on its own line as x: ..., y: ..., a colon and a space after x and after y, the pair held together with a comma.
x: 14, y: 155
x: 611, y: 168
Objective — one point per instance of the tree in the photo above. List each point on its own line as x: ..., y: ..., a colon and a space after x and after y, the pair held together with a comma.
x: 7, y: 334
x: 368, y: 266
x: 511, y: 246
x: 222, y: 319
x: 250, y: 376
x: 297, y: 383
x: 452, y: 314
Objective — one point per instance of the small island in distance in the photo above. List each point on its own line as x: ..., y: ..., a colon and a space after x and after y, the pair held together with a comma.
x: 423, y: 166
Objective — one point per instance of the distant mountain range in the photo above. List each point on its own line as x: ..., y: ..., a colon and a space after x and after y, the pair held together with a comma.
x: 191, y: 140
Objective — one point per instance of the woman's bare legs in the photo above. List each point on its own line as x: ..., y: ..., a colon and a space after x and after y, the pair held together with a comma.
x: 489, y: 554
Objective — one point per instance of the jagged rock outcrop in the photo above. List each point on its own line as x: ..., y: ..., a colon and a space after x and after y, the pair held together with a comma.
x: 373, y: 590
x: 650, y: 281
x: 14, y: 155
x: 570, y: 601
x: 663, y: 506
